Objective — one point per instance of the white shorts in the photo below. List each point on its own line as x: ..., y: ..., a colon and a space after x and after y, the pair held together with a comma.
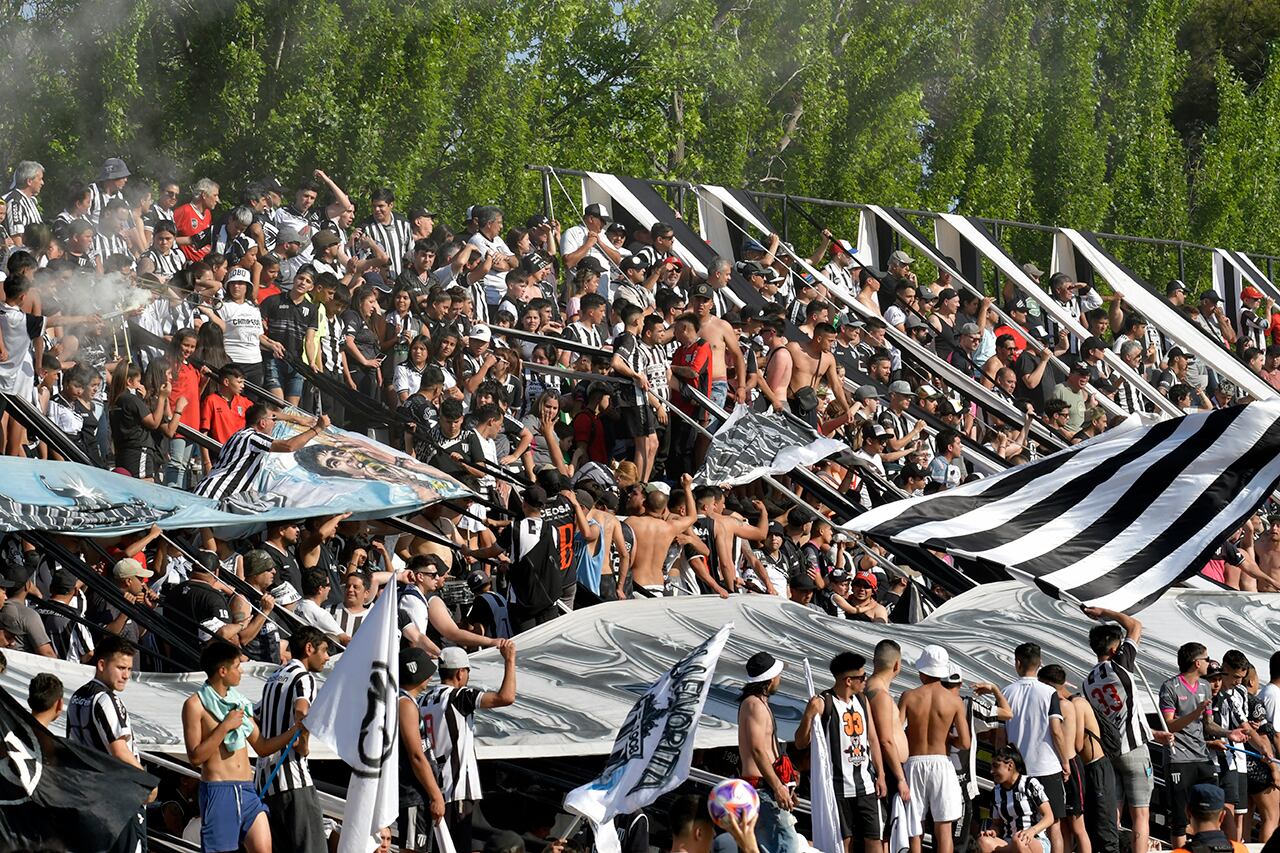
x: 935, y: 791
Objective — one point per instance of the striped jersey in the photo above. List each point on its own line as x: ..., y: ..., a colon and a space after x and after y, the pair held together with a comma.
x: 96, y: 718
x: 449, y: 714
x: 851, y: 765
x: 98, y: 200
x: 1019, y: 807
x: 21, y: 210
x: 349, y: 622
x: 237, y: 466
x: 584, y: 334
x: 1231, y: 711
x: 106, y: 245
x: 395, y: 238
x: 275, y: 715
x: 1109, y: 689
x: 165, y: 265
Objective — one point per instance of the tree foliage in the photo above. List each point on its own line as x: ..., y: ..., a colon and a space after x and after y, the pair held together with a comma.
x: 1154, y: 117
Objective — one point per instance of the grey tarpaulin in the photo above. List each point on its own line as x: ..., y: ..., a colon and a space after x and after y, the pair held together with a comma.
x: 579, y: 675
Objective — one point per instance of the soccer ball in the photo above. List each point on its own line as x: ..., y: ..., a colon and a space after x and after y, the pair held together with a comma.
x: 732, y: 794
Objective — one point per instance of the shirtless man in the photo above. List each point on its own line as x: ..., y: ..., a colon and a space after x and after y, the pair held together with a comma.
x: 931, y: 712
x: 759, y: 756
x: 725, y: 351
x: 887, y: 663
x: 810, y: 363
x: 216, y: 726
x: 718, y: 531
x: 862, y: 599
x: 1266, y: 552
x: 654, y: 531
x: 1072, y: 825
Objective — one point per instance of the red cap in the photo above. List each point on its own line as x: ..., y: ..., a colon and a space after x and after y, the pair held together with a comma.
x: 868, y: 578
x: 1251, y: 292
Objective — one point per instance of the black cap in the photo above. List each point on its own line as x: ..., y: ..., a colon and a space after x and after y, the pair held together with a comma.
x: 1093, y: 342
x: 597, y: 210
x: 19, y: 573
x: 477, y: 581
x: 1205, y: 798
x: 1209, y: 296
x: 632, y: 262
x: 592, y: 264
x: 272, y: 183
x: 62, y: 582
x: 803, y: 582
x: 536, y: 220
x: 701, y: 290
x: 416, y: 666
x: 1080, y: 369
x: 535, y: 497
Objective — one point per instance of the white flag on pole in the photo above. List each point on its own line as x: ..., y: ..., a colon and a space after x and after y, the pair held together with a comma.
x: 822, y: 794
x: 654, y: 746
x: 355, y: 714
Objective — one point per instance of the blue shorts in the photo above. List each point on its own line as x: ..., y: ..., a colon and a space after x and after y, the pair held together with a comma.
x: 283, y: 375
x: 227, y: 811
x: 719, y: 396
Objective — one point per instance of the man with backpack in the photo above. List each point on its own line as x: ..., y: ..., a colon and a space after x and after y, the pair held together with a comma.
x: 535, y: 547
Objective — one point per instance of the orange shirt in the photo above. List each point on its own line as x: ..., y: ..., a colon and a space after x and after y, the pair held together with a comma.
x: 186, y: 385
x: 189, y: 222
x: 222, y: 419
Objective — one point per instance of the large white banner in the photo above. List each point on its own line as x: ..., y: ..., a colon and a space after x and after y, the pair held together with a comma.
x: 355, y: 714
x: 654, y: 746
x: 822, y: 790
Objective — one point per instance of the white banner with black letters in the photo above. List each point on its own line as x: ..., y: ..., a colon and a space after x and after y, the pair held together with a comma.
x: 355, y: 714
x: 654, y: 746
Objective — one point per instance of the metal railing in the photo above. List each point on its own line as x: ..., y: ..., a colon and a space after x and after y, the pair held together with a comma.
x: 994, y: 224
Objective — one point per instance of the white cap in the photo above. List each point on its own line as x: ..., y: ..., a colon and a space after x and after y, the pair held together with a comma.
x: 237, y: 274
x: 480, y: 333
x: 454, y: 657
x: 956, y: 676
x: 935, y: 662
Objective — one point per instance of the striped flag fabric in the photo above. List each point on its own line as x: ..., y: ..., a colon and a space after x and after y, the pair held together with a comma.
x: 1112, y: 522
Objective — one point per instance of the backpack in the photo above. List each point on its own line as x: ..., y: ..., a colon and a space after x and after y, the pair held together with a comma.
x: 535, y: 572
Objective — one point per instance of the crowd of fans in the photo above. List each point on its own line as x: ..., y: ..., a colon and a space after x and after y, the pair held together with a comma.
x: 561, y: 376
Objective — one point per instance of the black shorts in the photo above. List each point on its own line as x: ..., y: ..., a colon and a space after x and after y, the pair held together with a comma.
x: 1179, y: 779
x: 637, y: 421
x: 296, y: 816
x: 141, y: 462
x: 860, y: 817
x: 413, y: 826
x: 1235, y: 785
x: 1056, y: 792
x: 1074, y: 789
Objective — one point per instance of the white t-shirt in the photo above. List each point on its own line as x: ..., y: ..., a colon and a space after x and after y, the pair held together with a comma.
x: 572, y: 240
x: 243, y: 333
x: 495, y: 283
x: 17, y: 372
x: 1034, y: 704
x: 1269, y: 696
x: 317, y: 617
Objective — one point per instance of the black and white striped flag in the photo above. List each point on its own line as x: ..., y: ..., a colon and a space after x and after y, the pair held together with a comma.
x: 1114, y: 521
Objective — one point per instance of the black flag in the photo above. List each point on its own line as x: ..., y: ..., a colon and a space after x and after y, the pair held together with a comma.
x: 56, y: 791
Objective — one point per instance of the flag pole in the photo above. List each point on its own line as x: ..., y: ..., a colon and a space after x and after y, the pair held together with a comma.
x: 284, y: 753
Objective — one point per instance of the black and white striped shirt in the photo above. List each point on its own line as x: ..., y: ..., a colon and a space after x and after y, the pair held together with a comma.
x: 96, y: 718
x: 1019, y: 807
x: 98, y: 200
x: 21, y: 210
x: 165, y: 265
x: 269, y: 231
x: 349, y: 622
x: 275, y: 714
x: 395, y: 238
x: 238, y: 465
x: 1109, y: 689
x: 449, y: 713
x: 106, y: 245
x: 585, y: 335
x: 479, y: 302
x: 846, y: 724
